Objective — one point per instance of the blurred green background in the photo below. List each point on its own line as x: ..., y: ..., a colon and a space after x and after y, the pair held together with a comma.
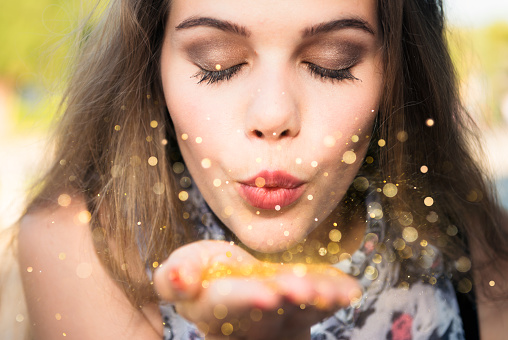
x: 36, y: 37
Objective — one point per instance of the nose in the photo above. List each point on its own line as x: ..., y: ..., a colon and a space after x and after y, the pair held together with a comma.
x: 273, y: 111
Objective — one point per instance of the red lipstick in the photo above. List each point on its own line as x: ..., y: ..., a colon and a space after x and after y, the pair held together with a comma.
x: 271, y: 190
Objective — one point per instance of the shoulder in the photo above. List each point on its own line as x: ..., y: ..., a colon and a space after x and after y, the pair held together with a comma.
x: 66, y: 286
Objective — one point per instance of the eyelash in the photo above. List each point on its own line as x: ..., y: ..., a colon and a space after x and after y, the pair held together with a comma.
x: 212, y: 77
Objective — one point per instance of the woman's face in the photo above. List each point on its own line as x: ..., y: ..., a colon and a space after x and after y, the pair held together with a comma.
x: 273, y: 104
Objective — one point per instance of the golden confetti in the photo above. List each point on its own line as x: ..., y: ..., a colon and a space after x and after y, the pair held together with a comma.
x: 424, y: 169
x: 463, y: 264
x: 186, y: 215
x: 199, y: 140
x: 256, y: 314
x: 402, y: 136
x: 349, y: 157
x: 118, y: 127
x: 158, y: 188
x: 206, y: 163
x: 154, y: 124
x: 62, y: 256
x: 220, y: 311
x: 428, y: 201
x: 310, y: 197
x: 429, y: 122
x: 58, y: 316
x: 371, y: 273
x: 381, y: 142
x: 229, y: 254
x: 298, y: 161
x: 409, y: 234
x: 64, y: 200
x: 464, y: 286
x: 361, y: 183
x: 217, y: 182
x: 164, y: 141
x: 492, y: 283
x: 369, y: 160
x: 228, y: 211
x: 153, y: 161
x: 335, y: 235
x: 183, y: 196
x: 218, y: 67
x: 390, y: 190
x: 277, y: 207
x: 63, y: 162
x: 452, y: 230
x: 260, y: 182
x: 155, y: 264
x: 20, y: 318
x: 432, y: 217
x: 185, y: 136
x: 280, y: 311
x: 314, y: 164
x: 84, y: 216
x: 178, y: 168
x: 355, y: 138
x: 302, y: 306
x: 226, y: 328
x: 322, y: 251
x: 333, y: 248
x: 29, y: 269
x: 286, y: 233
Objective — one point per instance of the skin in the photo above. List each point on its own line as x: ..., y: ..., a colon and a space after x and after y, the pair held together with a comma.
x: 273, y: 114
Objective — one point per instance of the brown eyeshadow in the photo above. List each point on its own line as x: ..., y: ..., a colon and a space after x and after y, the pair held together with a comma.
x: 211, y: 52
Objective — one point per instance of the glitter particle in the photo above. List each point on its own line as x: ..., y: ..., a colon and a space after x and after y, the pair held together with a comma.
x: 390, y: 190
x: 280, y: 311
x: 218, y: 67
x: 154, y: 124
x: 335, y: 235
x: 220, y: 311
x: 361, y: 183
x: 381, y: 142
x: 58, y: 316
x: 260, y: 182
x: 277, y: 207
x: 492, y: 283
x: 62, y: 256
x: 153, y: 161
x: 258, y: 160
x: 183, y: 196
x: 349, y: 157
x: 410, y: 234
x: 355, y: 138
x: 428, y: 201
x: 298, y: 161
x: 64, y: 200
x: 118, y: 127
x: 199, y: 140
x: 424, y: 169
x: 429, y: 122
x: 84, y: 216
x: 20, y: 318
x: 158, y: 188
x: 206, y: 163
x: 185, y: 136
x: 286, y: 233
x: 310, y: 197
x: 402, y: 136
x: 217, y: 182
x: 29, y: 269
x: 226, y: 328
x: 314, y: 164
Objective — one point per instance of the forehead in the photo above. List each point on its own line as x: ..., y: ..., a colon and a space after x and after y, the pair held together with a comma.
x: 274, y: 14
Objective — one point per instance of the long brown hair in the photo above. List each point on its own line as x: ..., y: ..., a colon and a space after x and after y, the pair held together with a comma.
x: 114, y: 142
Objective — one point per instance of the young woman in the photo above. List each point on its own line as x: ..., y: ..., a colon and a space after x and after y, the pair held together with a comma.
x: 220, y: 136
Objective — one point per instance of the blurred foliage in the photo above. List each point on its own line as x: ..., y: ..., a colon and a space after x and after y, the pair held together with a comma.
x: 481, y: 58
x: 33, y: 61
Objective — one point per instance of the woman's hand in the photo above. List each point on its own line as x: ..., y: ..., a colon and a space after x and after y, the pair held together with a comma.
x: 229, y: 294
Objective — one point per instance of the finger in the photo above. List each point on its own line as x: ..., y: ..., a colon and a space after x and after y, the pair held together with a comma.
x: 180, y: 276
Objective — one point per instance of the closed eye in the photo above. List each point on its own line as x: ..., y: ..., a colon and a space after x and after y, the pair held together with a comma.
x: 211, y: 77
x: 330, y: 74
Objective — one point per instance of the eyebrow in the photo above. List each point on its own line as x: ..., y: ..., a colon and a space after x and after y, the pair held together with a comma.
x: 228, y: 26
x: 222, y: 25
x: 335, y: 25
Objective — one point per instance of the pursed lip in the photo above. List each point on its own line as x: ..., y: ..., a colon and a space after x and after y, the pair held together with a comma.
x: 271, y: 189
